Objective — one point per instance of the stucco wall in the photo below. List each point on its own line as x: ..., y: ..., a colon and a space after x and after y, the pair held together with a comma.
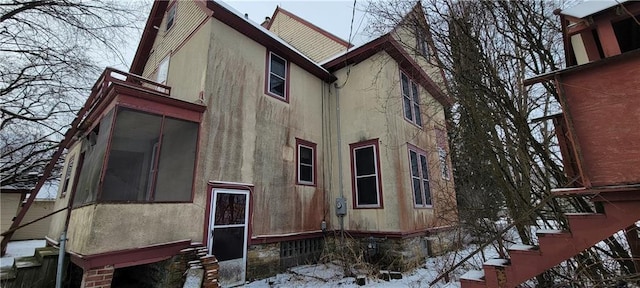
x: 250, y: 136
x: 371, y: 107
x: 312, y: 43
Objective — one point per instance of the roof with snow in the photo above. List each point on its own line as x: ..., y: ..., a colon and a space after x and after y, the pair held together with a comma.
x: 588, y: 8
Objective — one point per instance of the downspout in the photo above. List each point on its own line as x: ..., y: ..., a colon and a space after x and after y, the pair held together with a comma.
x: 339, y: 142
x: 323, y: 224
x: 63, y: 239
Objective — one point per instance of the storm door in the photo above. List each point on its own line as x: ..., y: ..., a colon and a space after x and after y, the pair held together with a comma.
x: 228, y: 239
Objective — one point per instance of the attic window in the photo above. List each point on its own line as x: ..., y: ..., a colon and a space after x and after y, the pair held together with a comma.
x: 171, y: 16
x: 422, y: 46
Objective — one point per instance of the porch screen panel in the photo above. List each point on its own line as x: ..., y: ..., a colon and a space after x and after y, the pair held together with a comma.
x: 134, y: 146
x: 94, y: 147
x: 177, y: 158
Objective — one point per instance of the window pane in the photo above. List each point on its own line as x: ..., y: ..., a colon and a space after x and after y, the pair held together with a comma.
x: 278, y: 66
x: 177, y: 160
x: 405, y: 85
x: 276, y: 85
x: 306, y: 173
x: 407, y: 108
x: 427, y: 193
x: 414, y: 164
x: 93, y: 161
x: 367, y: 191
x: 365, y: 161
x: 423, y: 163
x: 306, y: 155
x: 230, y: 209
x: 228, y: 243
x: 417, y: 191
x: 414, y: 90
x: 416, y: 109
x: 134, y: 147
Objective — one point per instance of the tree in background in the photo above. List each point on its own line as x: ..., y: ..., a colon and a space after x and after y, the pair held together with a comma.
x: 50, y: 55
x: 505, y: 161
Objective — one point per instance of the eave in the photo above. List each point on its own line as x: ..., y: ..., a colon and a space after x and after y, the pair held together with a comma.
x: 389, y: 45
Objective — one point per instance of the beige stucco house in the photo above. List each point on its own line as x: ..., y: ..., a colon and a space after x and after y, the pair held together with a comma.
x: 258, y: 141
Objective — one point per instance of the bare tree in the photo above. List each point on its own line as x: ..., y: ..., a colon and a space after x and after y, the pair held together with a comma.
x: 49, y: 56
x: 506, y: 162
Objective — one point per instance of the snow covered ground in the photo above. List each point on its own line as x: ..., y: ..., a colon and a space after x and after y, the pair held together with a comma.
x: 332, y: 275
x: 20, y: 249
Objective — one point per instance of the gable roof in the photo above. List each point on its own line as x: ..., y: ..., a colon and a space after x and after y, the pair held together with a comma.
x: 391, y: 46
x: 308, y: 24
x: 235, y: 20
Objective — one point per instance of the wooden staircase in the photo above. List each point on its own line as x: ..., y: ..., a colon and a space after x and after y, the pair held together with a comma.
x: 37, y: 271
x: 621, y: 209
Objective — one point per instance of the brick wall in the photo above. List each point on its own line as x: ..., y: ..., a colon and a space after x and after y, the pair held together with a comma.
x: 98, y: 277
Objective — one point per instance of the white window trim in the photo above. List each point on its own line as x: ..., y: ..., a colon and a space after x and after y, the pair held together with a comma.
x: 412, y: 100
x: 420, y: 153
x: 286, y: 71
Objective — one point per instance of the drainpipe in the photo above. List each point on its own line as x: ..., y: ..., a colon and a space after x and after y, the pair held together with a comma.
x: 63, y: 239
x: 339, y: 142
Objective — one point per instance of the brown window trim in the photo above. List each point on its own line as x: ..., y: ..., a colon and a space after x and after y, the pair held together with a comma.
x: 314, y: 164
x: 352, y: 148
x: 267, y: 78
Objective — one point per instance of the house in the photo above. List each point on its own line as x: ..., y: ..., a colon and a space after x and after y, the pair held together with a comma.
x: 258, y: 143
x: 599, y: 92
x: 12, y: 197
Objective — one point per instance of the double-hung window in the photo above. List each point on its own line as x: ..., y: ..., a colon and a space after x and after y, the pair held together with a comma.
x: 306, y: 164
x: 419, y: 177
x: 367, y: 185
x: 277, y: 78
x: 171, y: 15
x: 410, y: 100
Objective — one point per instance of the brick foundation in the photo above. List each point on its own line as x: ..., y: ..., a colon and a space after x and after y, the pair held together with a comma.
x: 97, y: 277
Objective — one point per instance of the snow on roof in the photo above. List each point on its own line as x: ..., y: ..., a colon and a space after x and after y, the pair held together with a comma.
x: 264, y: 30
x: 588, y: 8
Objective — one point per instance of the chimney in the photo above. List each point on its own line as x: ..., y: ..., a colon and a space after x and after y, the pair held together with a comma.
x: 265, y: 24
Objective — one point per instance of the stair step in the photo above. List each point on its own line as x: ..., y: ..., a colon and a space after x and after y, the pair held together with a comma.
x: 24, y: 262
x: 585, y: 222
x: 43, y: 252
x: 497, y: 262
x: 8, y: 273
x: 553, y: 233
x: 473, y: 279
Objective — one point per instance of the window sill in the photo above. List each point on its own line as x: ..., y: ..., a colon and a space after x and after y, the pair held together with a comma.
x: 278, y: 97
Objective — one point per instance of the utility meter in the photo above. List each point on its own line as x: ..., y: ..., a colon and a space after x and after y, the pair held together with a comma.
x: 341, y: 206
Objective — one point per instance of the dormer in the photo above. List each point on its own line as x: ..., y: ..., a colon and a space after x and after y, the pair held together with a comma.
x: 595, y: 30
